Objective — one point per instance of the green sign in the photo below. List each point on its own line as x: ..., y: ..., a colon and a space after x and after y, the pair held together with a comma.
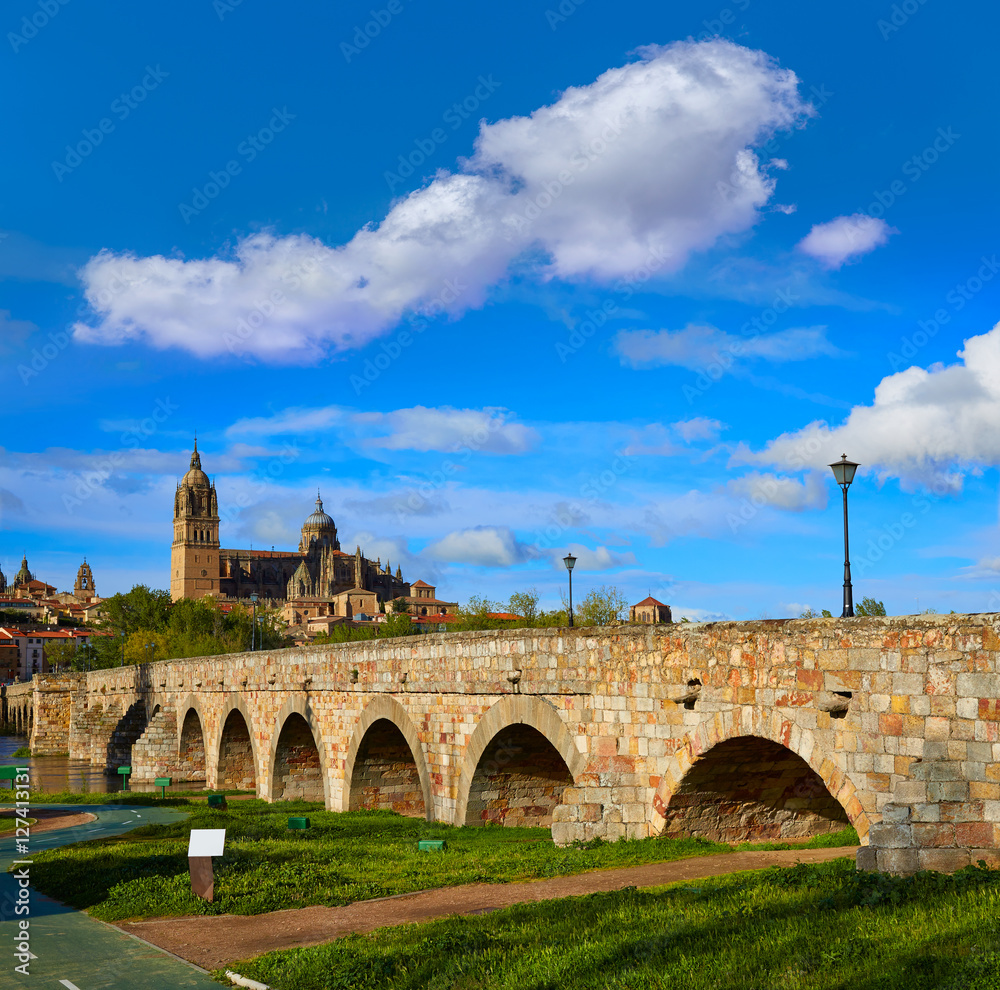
x: 432, y: 845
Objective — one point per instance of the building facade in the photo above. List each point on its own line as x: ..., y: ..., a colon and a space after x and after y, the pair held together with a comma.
x: 650, y: 610
x: 318, y: 578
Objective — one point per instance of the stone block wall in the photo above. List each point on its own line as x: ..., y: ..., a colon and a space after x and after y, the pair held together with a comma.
x: 385, y: 773
x: 894, y: 716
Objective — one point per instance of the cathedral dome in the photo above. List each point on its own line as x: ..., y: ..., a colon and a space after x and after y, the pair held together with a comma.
x: 319, y: 520
x: 195, y: 475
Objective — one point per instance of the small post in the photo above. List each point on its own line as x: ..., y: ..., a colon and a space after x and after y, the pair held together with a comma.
x: 163, y: 783
x: 203, y: 844
x: 124, y: 773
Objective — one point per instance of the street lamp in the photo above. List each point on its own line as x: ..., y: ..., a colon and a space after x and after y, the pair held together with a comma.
x: 843, y: 471
x: 253, y: 624
x: 569, y: 560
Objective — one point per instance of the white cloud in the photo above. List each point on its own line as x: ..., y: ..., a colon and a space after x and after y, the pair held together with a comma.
x: 652, y: 159
x: 487, y: 431
x: 596, y: 559
x: 924, y: 425
x: 699, y: 428
x: 781, y: 492
x: 13, y: 333
x: 701, y: 348
x: 484, y: 546
x: 845, y: 238
x: 289, y: 421
x: 442, y: 428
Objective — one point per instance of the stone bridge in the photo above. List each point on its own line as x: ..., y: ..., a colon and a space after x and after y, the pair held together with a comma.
x: 731, y: 730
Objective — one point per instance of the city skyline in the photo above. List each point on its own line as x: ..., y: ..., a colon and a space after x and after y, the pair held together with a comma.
x: 621, y: 287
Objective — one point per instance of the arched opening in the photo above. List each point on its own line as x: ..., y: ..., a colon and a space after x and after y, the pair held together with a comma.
x: 385, y: 774
x: 750, y: 788
x: 191, y: 753
x: 298, y: 775
x: 519, y: 780
x: 237, y: 768
x: 130, y: 726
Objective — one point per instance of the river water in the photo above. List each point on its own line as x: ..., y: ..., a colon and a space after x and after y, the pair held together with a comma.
x: 59, y: 773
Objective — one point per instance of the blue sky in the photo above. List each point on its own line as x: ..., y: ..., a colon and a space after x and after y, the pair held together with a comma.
x: 507, y: 280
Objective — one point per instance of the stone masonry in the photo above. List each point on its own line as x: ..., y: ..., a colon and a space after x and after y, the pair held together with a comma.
x: 736, y: 729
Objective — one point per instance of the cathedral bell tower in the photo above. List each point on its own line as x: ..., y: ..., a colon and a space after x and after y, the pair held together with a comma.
x: 194, y: 555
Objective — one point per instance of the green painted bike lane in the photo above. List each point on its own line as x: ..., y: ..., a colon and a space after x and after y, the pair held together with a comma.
x: 72, y: 950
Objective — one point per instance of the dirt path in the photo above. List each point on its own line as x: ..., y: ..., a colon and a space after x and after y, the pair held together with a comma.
x: 215, y: 941
x: 47, y: 820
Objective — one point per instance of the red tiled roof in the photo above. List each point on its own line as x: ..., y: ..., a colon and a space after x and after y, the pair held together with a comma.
x: 506, y: 616
x: 649, y: 601
x: 421, y: 584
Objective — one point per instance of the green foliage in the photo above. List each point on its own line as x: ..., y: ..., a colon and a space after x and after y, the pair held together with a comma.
x: 602, y: 606
x: 24, y: 751
x: 826, y: 613
x: 343, y: 857
x: 815, y: 927
x: 869, y: 607
x: 345, y: 633
x: 399, y: 605
x: 140, y: 608
x: 155, y: 629
x: 525, y: 604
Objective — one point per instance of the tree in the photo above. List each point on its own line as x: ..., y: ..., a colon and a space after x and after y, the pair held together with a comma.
x: 826, y: 613
x: 602, y: 606
x: 398, y: 624
x: 140, y: 608
x: 525, y: 604
x: 869, y: 607
x: 399, y: 606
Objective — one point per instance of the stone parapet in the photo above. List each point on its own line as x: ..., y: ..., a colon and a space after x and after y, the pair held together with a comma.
x: 870, y: 714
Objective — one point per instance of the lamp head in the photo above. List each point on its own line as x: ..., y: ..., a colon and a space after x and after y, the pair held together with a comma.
x: 570, y: 561
x: 843, y: 471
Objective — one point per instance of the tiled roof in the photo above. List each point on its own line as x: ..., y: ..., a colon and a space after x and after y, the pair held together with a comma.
x: 649, y: 601
x: 421, y: 584
x: 506, y: 616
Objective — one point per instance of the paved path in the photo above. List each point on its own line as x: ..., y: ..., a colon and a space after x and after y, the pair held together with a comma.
x: 219, y: 940
x: 71, y: 949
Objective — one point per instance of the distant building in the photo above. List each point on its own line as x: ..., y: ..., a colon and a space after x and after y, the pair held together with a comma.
x: 314, y: 582
x: 650, y: 610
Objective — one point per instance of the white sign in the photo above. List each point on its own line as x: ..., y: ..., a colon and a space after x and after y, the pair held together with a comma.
x: 206, y: 841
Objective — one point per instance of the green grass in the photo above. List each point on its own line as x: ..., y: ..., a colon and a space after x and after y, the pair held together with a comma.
x: 815, y: 927
x: 341, y: 858
x: 21, y: 751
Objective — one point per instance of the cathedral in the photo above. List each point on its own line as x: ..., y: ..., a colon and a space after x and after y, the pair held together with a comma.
x: 319, y: 571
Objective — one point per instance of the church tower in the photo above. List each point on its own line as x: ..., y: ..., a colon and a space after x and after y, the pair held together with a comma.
x: 194, y: 555
x: 84, y: 589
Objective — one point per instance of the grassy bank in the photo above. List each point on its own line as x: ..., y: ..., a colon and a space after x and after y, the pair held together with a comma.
x: 342, y: 858
x: 817, y: 927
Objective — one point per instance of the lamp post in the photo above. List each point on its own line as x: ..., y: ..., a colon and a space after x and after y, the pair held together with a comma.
x: 253, y: 624
x: 843, y: 471
x: 569, y: 560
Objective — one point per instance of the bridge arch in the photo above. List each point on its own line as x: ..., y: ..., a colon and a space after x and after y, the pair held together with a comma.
x: 380, y: 736
x: 771, y: 772
x: 297, y: 763
x: 517, y: 738
x: 237, y: 757
x: 191, y: 748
